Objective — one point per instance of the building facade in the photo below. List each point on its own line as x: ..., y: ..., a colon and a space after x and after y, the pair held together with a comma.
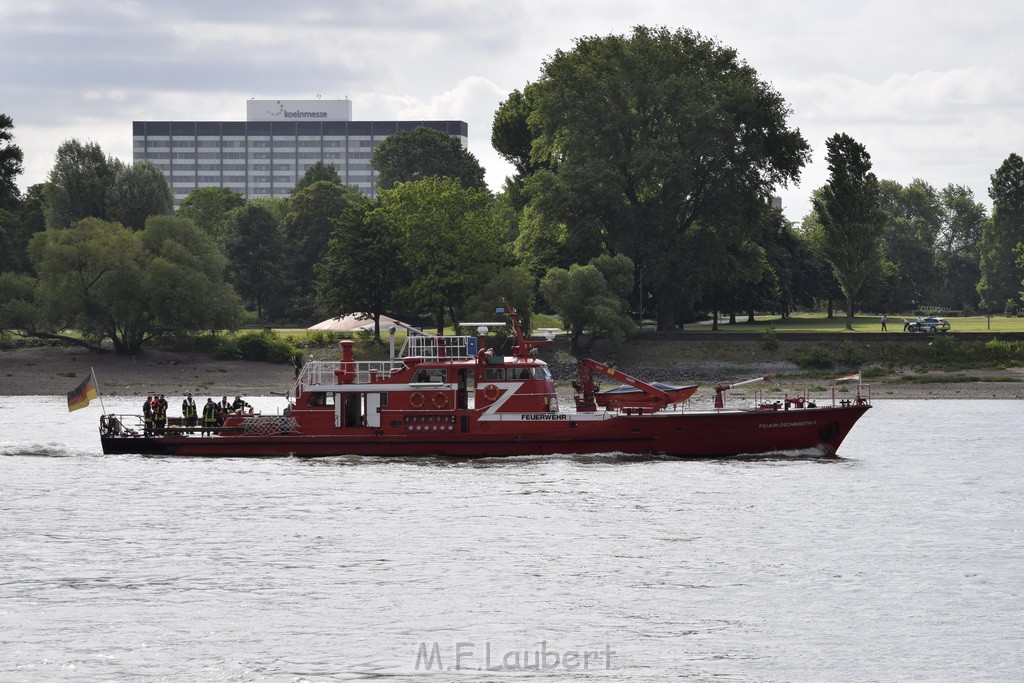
x: 265, y: 155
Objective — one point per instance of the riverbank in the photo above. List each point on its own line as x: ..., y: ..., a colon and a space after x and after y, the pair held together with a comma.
x: 48, y: 371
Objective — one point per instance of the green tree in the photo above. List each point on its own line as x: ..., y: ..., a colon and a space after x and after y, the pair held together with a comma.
x: 790, y: 259
x: 962, y: 219
x: 11, y: 158
x: 253, y: 247
x: 138, y: 192
x: 451, y: 244
x: 277, y: 206
x: 913, y: 221
x: 848, y: 209
x: 591, y: 298
x: 422, y: 152
x: 18, y: 310
x: 210, y: 208
x: 184, y: 280
x: 360, y: 272
x: 316, y: 173
x: 824, y: 288
x: 308, y: 226
x: 726, y: 271
x: 512, y: 137
x: 1000, y: 273
x: 79, y: 182
x: 515, y: 285
x: 17, y: 226
x: 652, y: 132
x: 108, y: 282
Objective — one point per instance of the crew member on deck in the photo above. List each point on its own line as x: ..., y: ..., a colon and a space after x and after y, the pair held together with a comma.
x: 188, y: 411
x: 210, y: 413
x: 147, y: 416
x: 160, y: 415
x: 239, y: 404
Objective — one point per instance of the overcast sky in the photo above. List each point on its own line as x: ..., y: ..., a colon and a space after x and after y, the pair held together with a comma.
x: 932, y: 88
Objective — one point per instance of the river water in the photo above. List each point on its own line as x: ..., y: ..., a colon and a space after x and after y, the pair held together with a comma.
x: 902, y: 559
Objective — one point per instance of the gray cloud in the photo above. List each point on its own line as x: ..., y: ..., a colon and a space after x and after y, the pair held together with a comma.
x: 930, y: 88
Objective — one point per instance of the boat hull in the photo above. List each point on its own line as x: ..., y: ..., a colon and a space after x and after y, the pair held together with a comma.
x: 692, y: 434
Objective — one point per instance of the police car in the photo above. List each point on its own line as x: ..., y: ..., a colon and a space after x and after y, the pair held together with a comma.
x: 930, y: 324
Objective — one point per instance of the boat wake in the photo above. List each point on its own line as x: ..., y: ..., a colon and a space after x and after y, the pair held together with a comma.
x: 48, y: 450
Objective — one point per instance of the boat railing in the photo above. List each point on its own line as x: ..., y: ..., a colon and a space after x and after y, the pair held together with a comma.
x: 434, y: 348
x: 319, y: 372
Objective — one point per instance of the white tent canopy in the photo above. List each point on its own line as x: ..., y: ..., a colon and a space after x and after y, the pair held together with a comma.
x: 357, y: 322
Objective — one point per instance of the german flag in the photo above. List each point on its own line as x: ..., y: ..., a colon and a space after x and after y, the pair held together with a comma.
x: 83, y: 393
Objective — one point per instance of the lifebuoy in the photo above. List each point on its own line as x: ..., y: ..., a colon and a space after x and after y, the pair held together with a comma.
x: 416, y: 399
x: 490, y: 392
x: 439, y: 400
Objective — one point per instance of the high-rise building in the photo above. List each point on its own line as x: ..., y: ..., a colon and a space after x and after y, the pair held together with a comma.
x: 265, y: 155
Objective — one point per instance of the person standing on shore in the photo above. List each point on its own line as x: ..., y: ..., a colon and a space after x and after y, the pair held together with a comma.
x: 885, y: 318
x: 906, y: 324
x: 188, y: 411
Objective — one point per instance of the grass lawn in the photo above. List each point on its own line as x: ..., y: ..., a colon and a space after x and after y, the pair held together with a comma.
x: 817, y: 322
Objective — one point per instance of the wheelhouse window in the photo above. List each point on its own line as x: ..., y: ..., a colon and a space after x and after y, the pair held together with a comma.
x: 430, y: 376
x: 494, y: 373
x: 321, y: 398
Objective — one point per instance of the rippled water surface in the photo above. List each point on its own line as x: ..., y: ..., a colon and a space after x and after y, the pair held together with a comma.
x: 901, y: 559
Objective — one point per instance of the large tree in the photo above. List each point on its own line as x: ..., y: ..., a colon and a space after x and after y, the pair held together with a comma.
x: 913, y: 221
x: 253, y: 246
x: 210, y: 208
x: 650, y: 133
x: 848, y: 210
x: 11, y: 158
x: 962, y: 220
x: 308, y: 225
x: 138, y: 192
x: 78, y: 183
x: 184, y: 280
x: 361, y: 271
x: 451, y: 244
x: 17, y: 226
x: 108, y: 282
x: 423, y: 152
x: 315, y: 173
x: 1000, y: 272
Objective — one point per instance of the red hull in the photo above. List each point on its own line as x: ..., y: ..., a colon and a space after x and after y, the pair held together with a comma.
x: 696, y: 434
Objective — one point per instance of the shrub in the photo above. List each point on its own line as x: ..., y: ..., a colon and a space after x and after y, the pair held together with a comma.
x: 769, y: 339
x: 850, y: 354
x: 257, y: 346
x: 817, y: 356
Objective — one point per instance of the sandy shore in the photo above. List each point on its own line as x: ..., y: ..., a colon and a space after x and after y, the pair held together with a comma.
x: 47, y: 371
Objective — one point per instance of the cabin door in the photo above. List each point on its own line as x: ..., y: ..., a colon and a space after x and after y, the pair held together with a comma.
x: 373, y: 410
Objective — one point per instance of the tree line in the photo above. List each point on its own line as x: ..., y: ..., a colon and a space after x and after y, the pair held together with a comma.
x: 644, y: 167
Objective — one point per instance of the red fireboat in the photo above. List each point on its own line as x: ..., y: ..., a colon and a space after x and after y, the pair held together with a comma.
x: 449, y: 396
